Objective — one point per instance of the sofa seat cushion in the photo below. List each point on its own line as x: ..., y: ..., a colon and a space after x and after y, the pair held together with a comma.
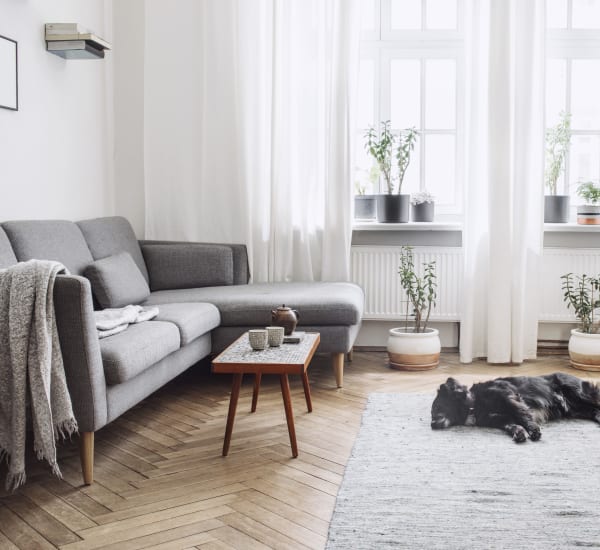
x: 192, y: 319
x: 128, y: 353
x: 319, y: 303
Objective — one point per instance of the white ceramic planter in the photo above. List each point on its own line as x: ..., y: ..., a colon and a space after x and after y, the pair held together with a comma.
x: 584, y: 350
x: 410, y: 350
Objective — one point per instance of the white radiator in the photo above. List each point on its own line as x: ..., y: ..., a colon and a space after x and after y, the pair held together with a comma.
x: 375, y: 269
x: 557, y: 262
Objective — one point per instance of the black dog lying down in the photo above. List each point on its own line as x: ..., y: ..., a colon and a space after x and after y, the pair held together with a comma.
x: 517, y: 405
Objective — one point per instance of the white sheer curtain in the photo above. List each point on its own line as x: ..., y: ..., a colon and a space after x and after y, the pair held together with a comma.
x: 503, y: 230
x: 248, y: 129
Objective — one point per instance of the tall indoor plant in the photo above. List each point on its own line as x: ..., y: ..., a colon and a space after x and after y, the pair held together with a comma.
x: 582, y: 294
x: 558, y: 141
x: 415, y: 346
x: 589, y: 213
x: 385, y: 148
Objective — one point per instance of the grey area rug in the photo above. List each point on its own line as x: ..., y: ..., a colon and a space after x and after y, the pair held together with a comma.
x: 407, y: 486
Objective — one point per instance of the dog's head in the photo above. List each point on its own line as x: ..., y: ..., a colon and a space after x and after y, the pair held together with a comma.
x: 451, y: 405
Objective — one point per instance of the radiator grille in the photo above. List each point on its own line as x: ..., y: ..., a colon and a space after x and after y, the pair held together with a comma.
x: 375, y: 269
x: 557, y: 262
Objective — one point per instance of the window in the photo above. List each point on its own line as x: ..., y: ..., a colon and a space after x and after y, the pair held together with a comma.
x: 573, y: 85
x: 411, y: 74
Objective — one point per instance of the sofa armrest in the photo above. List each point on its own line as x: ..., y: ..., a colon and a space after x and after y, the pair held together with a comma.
x: 81, y: 351
x: 241, y: 269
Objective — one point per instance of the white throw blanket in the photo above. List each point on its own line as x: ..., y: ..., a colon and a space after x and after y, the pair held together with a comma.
x: 114, y: 320
x: 31, y: 367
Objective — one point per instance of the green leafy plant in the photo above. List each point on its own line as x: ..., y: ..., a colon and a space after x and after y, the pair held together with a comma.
x: 407, y: 140
x: 420, y: 291
x: 558, y: 141
x: 580, y: 292
x: 381, y: 148
x: 589, y: 192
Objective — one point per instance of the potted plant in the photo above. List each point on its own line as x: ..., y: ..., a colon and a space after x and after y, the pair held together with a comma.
x: 558, y: 140
x: 365, y: 205
x: 391, y: 208
x: 581, y: 293
x: 422, y: 206
x: 589, y: 213
x: 415, y: 347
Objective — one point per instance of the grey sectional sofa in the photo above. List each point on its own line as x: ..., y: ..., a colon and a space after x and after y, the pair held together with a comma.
x: 204, y: 302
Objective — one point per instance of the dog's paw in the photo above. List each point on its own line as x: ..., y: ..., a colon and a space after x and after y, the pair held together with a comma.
x: 519, y: 434
x: 534, y: 432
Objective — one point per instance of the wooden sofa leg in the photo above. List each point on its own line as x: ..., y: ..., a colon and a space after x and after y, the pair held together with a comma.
x: 338, y: 368
x: 86, y: 453
x: 350, y: 356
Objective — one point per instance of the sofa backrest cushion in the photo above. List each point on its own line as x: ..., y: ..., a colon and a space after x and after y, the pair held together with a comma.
x: 57, y: 240
x: 112, y: 235
x: 117, y: 281
x: 7, y: 256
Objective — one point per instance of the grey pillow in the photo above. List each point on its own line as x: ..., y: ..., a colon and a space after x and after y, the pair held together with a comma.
x: 117, y: 281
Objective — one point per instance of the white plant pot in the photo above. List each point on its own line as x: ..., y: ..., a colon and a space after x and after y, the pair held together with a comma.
x: 584, y: 350
x: 410, y: 350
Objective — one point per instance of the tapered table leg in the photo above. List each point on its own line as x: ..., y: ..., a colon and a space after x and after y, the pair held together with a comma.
x: 257, y: 378
x: 289, y: 415
x: 235, y: 393
x: 307, y: 391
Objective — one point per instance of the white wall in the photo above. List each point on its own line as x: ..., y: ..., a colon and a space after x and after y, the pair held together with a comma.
x: 56, y: 150
x: 128, y: 64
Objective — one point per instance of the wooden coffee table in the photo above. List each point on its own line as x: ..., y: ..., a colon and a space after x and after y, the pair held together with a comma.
x: 239, y: 359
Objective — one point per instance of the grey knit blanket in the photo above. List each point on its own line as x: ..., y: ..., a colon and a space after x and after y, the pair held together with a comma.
x: 32, y: 375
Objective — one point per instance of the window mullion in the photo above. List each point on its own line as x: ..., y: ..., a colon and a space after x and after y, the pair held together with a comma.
x: 423, y: 130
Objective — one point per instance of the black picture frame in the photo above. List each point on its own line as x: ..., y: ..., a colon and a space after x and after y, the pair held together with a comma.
x: 9, y: 74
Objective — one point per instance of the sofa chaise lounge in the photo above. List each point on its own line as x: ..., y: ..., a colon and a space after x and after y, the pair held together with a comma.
x: 204, y: 303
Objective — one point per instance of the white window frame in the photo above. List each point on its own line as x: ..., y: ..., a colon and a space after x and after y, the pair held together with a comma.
x: 384, y: 44
x: 568, y: 44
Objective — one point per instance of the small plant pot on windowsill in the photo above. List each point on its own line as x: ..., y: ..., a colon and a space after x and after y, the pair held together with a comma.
x: 365, y: 207
x: 584, y: 350
x: 422, y: 212
x: 414, y: 351
x: 556, y: 208
x: 393, y: 208
x: 588, y: 214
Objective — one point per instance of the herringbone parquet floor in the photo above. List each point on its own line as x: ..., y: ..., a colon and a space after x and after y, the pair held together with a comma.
x: 161, y: 481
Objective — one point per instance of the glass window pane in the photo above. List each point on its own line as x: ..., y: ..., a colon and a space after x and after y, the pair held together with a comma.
x: 366, y: 93
x: 440, y: 14
x: 405, y: 93
x: 584, y: 161
x: 440, y: 94
x: 412, y: 176
x: 585, y: 91
x: 405, y: 14
x: 364, y: 176
x: 556, y: 14
x: 586, y: 14
x: 367, y: 15
x: 440, y: 155
x: 556, y: 90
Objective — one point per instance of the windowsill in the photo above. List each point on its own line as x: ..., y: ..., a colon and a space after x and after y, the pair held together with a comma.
x: 364, y: 225
x: 570, y: 227
x: 410, y: 226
